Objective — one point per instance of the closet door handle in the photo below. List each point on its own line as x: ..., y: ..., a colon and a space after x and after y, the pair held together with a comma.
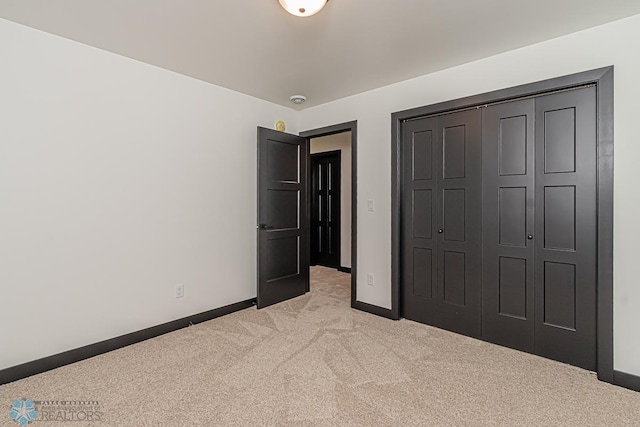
x: 440, y: 231
x: 530, y: 237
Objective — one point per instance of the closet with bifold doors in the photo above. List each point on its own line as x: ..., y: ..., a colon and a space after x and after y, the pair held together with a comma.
x: 499, y: 223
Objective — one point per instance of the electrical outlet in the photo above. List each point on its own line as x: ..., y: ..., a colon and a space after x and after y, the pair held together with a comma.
x: 371, y: 205
x: 370, y: 279
x: 179, y: 290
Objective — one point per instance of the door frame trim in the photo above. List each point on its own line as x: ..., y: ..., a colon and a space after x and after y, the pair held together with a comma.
x: 603, y: 79
x: 332, y: 130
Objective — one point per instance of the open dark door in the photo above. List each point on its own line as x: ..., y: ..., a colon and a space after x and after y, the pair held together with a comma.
x: 283, y: 252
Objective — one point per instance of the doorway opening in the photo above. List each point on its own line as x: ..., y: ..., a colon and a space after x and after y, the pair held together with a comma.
x: 330, y: 193
x: 332, y: 166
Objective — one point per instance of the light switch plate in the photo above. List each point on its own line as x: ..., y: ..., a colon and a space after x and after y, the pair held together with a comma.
x: 179, y: 290
x: 371, y: 205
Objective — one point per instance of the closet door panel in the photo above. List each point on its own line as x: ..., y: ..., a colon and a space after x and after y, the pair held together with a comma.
x: 459, y: 222
x: 419, y: 204
x: 508, y: 221
x: 565, y: 249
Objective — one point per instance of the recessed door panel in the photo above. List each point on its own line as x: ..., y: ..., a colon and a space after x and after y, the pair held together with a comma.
x: 513, y: 287
x: 423, y: 272
x: 512, y: 219
x: 282, y: 261
x: 422, y: 214
x: 454, y: 214
x: 454, y: 142
x: 283, y: 161
x: 560, y: 217
x: 560, y: 295
x: 422, y: 155
x: 284, y: 211
x: 560, y: 140
x: 512, y: 146
x: 454, y: 278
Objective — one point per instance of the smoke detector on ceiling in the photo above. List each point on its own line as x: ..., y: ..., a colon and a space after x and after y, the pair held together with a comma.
x: 298, y: 99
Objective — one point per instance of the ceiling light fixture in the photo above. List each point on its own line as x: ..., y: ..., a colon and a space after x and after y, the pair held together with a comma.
x: 303, y: 8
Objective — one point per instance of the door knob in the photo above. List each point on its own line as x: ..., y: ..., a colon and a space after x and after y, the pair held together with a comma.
x: 530, y: 237
x: 440, y: 231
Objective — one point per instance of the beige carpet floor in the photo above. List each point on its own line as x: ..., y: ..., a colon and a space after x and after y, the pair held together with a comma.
x: 313, y: 361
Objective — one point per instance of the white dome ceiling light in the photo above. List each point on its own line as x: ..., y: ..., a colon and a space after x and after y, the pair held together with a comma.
x: 303, y: 8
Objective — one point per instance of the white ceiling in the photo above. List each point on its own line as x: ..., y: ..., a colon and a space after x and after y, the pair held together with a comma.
x: 255, y: 47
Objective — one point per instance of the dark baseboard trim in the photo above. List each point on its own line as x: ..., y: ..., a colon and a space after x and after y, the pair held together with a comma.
x: 28, y: 369
x: 374, y: 309
x: 345, y: 269
x: 625, y: 380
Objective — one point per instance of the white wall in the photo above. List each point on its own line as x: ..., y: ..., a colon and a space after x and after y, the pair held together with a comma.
x: 615, y: 44
x: 118, y: 180
x: 342, y: 142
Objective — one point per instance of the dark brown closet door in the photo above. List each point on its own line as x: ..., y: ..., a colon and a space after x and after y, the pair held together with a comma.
x: 459, y: 221
x: 508, y: 224
x: 565, y: 227
x: 442, y: 221
x: 419, y: 212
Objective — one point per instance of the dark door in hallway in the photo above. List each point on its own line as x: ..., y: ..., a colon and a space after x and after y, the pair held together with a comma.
x: 325, y: 209
x: 283, y: 256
